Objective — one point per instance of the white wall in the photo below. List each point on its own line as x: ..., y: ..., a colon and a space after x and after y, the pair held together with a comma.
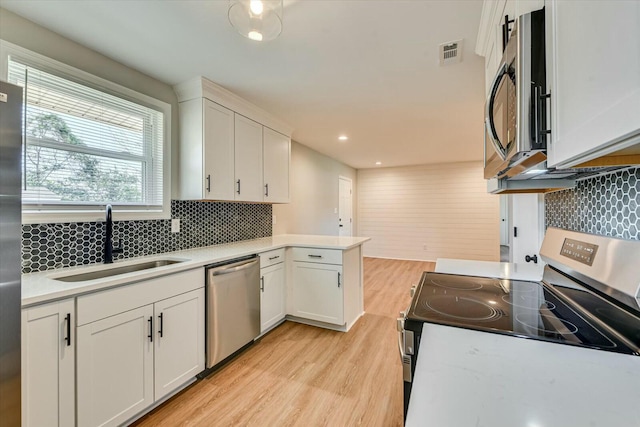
x: 314, y: 194
x: 428, y: 212
x: 31, y: 36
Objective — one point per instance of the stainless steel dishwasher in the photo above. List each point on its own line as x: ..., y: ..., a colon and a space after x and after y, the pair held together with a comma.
x: 233, y: 307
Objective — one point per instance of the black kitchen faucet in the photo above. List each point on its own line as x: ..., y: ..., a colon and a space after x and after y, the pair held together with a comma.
x: 109, y: 250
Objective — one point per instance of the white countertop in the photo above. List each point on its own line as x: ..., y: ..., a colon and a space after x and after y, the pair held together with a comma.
x: 467, y: 378
x: 499, y: 270
x: 41, y: 287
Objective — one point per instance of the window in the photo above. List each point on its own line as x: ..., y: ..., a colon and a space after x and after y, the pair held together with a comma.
x: 85, y: 147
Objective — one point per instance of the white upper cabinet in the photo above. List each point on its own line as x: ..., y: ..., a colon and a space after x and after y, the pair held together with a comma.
x: 218, y: 151
x: 248, y: 160
x: 277, y: 157
x: 230, y: 149
x: 206, y: 150
x: 593, y: 75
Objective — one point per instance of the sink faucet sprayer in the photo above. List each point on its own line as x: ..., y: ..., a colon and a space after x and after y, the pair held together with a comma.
x: 109, y: 250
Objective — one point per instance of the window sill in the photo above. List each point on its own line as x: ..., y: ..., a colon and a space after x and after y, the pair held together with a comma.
x: 60, y: 216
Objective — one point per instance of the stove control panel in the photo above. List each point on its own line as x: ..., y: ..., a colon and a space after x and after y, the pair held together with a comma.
x: 579, y: 251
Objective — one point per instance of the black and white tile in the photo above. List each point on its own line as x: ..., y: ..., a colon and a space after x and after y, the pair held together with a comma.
x: 608, y: 205
x: 49, y: 246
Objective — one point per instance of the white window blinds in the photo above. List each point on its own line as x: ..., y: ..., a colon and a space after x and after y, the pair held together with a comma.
x: 86, y: 147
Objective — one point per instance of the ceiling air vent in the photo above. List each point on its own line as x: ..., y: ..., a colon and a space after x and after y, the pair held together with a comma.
x: 451, y: 52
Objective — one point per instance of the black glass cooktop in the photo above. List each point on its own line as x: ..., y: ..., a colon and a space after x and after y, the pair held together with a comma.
x: 525, y: 309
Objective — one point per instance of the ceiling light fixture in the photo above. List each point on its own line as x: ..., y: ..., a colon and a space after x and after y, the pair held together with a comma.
x: 259, y: 20
x: 378, y: 163
x: 343, y: 137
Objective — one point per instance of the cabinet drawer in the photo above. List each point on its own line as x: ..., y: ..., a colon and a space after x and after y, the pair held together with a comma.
x: 107, y: 303
x: 322, y: 256
x: 271, y: 258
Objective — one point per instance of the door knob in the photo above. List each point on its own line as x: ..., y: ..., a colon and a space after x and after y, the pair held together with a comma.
x: 531, y: 258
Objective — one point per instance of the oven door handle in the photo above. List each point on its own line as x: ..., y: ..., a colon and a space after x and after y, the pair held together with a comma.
x: 488, y: 114
x: 405, y: 351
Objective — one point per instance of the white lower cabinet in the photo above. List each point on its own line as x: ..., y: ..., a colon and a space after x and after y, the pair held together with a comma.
x: 272, y: 296
x: 179, y: 343
x: 131, y: 356
x: 318, y: 292
x: 115, y: 368
x: 48, y: 365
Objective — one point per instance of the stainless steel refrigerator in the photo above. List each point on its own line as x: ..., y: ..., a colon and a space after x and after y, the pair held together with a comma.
x: 10, y: 228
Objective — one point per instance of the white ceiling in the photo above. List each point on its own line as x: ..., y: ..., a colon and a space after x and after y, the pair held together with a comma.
x: 368, y: 69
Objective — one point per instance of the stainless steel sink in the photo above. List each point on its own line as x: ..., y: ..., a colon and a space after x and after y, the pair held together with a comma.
x: 81, y: 277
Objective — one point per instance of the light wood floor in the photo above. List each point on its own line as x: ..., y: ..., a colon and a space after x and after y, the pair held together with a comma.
x: 300, y: 375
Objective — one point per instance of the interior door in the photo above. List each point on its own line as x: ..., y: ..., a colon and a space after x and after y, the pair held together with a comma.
x: 504, y: 220
x: 345, y: 207
x: 528, y: 223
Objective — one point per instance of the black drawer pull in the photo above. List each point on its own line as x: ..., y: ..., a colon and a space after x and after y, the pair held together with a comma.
x: 67, y: 319
x: 314, y: 256
x: 160, y: 329
x: 274, y: 257
x: 150, y: 336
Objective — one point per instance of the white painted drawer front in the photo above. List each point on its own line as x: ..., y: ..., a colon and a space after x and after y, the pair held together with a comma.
x: 323, y: 256
x: 100, y: 305
x: 271, y: 258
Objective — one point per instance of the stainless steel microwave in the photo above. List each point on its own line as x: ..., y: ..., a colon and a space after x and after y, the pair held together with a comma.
x: 515, y: 113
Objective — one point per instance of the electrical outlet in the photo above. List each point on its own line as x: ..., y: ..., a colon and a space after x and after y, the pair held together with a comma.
x: 335, y: 210
x: 175, y: 225
x: 274, y: 219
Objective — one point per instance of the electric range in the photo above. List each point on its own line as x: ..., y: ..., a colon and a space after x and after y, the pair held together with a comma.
x: 588, y: 298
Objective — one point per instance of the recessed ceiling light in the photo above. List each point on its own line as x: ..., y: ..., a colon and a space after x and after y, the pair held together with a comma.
x: 343, y: 137
x: 378, y: 163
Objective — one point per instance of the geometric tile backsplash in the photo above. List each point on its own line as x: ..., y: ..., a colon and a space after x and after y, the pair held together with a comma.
x: 49, y: 246
x: 608, y: 205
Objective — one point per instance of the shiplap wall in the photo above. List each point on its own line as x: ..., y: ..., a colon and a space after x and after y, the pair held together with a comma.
x: 428, y: 212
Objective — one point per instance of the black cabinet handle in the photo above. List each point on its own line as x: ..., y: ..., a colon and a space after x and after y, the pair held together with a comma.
x: 67, y: 319
x: 274, y: 257
x: 314, y: 256
x: 150, y: 336
x: 238, y: 182
x: 208, y: 183
x: 338, y: 279
x: 505, y: 31
x: 262, y: 283
x: 266, y: 190
x: 515, y: 231
x: 160, y: 329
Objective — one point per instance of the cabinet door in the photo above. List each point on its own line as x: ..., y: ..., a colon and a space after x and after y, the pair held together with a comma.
x: 218, y: 152
x: 115, y: 368
x: 272, y: 298
x: 248, y: 160
x: 277, y: 155
x: 317, y: 292
x: 48, y: 364
x: 593, y: 74
x: 179, y: 341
